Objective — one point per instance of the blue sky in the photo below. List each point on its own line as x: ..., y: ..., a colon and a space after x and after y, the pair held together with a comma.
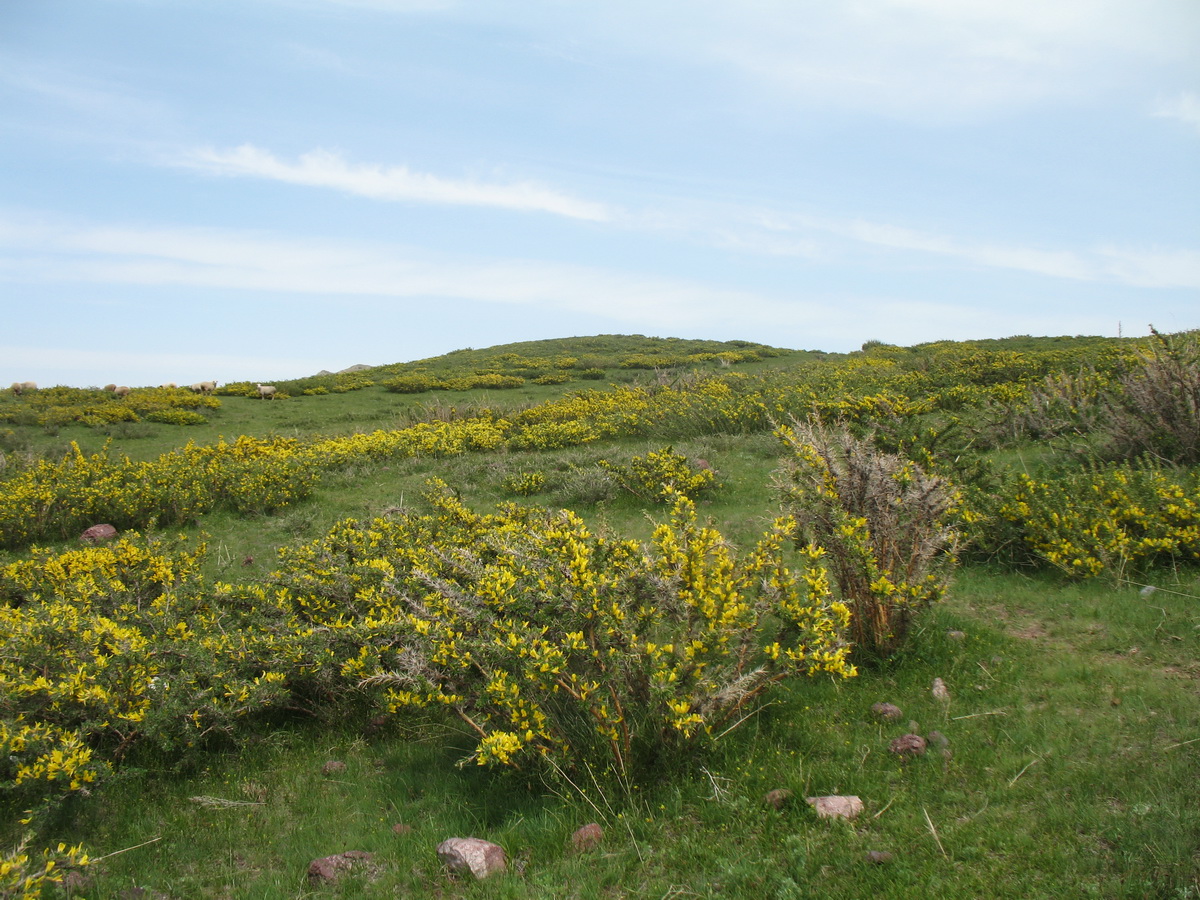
x: 260, y: 189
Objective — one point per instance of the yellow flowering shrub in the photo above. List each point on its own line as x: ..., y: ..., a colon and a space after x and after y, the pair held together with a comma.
x: 660, y: 475
x: 887, y: 526
x: 24, y: 877
x: 1111, y: 520
x: 550, y: 642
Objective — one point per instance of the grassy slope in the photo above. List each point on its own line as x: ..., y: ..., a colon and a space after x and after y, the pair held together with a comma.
x: 1070, y: 774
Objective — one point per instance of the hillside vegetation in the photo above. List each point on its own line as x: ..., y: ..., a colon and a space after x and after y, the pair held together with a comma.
x: 656, y: 584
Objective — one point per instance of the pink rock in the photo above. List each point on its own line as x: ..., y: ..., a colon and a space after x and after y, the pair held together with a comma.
x: 908, y: 745
x: 98, y: 534
x: 587, y: 838
x: 835, y: 807
x: 329, y: 868
x: 478, y: 857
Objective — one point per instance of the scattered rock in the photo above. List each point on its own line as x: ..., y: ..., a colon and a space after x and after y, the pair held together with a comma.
x: 937, y: 739
x: 333, y: 767
x: 1147, y: 592
x: 98, y: 534
x: 939, y: 691
x: 908, y: 745
x: 587, y: 838
x: 401, y: 828
x: 329, y: 869
x: 703, y: 464
x: 777, y: 798
x: 888, y: 712
x: 835, y: 807
x: 955, y: 635
x: 472, y: 855
x: 880, y: 857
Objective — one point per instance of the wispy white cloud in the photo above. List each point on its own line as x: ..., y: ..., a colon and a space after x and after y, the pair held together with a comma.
x: 325, y: 169
x: 48, y: 252
x: 827, y: 239
x: 925, y: 59
x: 1185, y: 107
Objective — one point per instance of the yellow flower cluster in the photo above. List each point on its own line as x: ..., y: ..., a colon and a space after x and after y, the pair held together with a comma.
x: 59, y: 499
x: 660, y: 475
x: 85, y: 406
x: 24, y: 878
x: 1112, y: 520
x: 549, y: 641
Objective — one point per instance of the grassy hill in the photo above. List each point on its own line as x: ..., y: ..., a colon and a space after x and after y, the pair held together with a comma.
x: 202, y: 681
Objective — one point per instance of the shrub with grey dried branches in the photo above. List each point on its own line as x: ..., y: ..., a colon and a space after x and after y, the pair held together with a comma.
x: 885, y: 525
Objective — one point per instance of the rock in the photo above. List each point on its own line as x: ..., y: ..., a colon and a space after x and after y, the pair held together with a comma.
x: 835, y: 807
x: 472, y: 855
x: 879, y: 857
x: 777, y: 798
x: 587, y: 838
x: 908, y: 745
x: 956, y: 635
x: 937, y: 739
x: 333, y: 767
x: 939, y: 691
x: 888, y: 712
x: 401, y: 828
x: 98, y: 534
x: 328, y: 869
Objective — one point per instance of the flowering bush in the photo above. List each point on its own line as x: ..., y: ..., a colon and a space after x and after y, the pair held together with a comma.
x: 1106, y: 520
x: 524, y: 483
x: 553, y: 644
x: 24, y: 878
x: 660, y: 475
x: 886, y: 524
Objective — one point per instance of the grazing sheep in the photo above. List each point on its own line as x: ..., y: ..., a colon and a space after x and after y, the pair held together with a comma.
x: 23, y: 387
x: 203, y: 387
x: 110, y: 387
x: 266, y: 391
x: 122, y: 391
x: 169, y: 384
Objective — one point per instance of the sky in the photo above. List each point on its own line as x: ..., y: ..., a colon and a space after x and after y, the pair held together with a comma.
x: 262, y: 189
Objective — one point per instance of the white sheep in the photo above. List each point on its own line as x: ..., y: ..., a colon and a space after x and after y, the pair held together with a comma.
x: 121, y: 391
x: 169, y: 384
x: 266, y: 391
x: 23, y: 387
x: 110, y: 387
x: 203, y: 387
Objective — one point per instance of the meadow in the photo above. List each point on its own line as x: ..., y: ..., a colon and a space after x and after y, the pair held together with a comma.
x: 655, y: 584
